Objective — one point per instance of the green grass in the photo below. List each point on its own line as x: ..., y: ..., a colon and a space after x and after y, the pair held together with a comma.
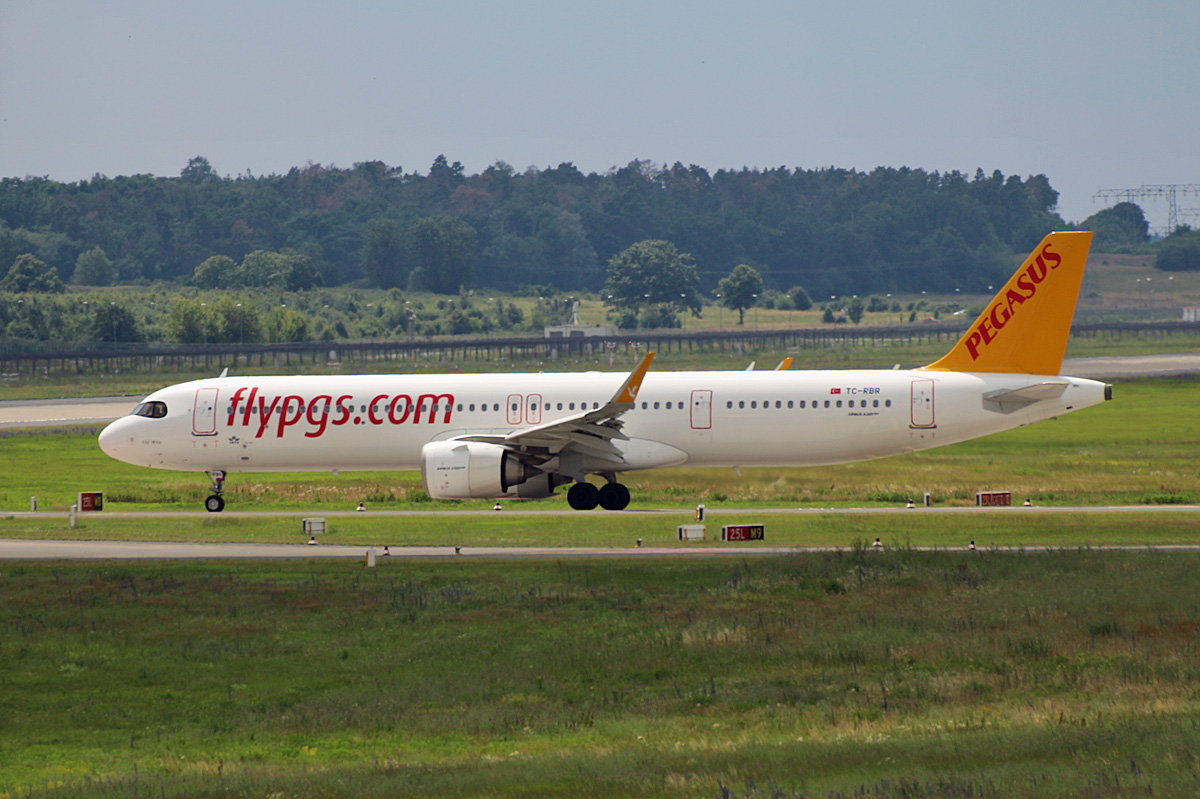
x: 854, y: 673
x: 1034, y: 672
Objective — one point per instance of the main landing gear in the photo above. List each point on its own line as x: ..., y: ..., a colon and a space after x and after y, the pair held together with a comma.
x: 610, y: 496
x: 215, y: 503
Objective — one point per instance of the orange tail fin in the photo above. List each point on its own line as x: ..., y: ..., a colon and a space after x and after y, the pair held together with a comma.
x: 1024, y: 328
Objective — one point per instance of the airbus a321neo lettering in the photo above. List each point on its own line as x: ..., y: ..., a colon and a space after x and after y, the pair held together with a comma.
x: 525, y: 435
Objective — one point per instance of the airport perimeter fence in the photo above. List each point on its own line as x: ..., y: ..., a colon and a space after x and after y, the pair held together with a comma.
x: 24, y: 359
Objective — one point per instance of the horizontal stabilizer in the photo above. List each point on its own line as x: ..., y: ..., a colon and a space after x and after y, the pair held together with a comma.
x: 1009, y: 400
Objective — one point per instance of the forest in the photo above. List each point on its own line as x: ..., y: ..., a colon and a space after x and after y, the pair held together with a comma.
x: 834, y: 231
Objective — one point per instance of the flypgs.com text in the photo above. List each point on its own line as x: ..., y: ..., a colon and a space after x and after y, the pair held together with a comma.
x: 318, y: 413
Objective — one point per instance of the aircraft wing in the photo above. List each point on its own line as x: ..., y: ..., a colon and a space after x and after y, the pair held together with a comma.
x: 588, y: 432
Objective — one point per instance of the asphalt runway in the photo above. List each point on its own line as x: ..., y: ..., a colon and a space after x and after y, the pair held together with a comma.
x: 17, y: 549
x: 65, y: 412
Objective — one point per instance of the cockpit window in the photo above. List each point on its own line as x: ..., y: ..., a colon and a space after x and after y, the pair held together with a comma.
x: 151, y: 410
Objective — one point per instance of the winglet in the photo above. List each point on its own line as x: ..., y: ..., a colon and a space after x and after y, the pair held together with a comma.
x: 784, y: 365
x: 1024, y: 328
x: 628, y: 391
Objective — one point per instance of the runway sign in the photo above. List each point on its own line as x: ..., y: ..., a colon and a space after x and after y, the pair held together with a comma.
x: 993, y: 499
x: 742, y: 532
x: 91, y: 500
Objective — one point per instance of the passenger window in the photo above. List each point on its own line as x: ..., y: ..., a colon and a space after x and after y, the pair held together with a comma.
x: 668, y: 406
x: 789, y: 403
x: 826, y: 403
x: 802, y: 404
x: 876, y: 404
x: 729, y: 404
x: 839, y: 403
x: 887, y: 403
x: 753, y: 403
x: 656, y: 406
x: 741, y: 403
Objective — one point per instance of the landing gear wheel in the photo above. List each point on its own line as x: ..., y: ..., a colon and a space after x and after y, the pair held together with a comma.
x: 614, y: 496
x: 214, y: 503
x: 583, y: 496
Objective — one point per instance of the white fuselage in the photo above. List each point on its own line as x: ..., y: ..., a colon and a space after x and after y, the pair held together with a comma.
x: 776, y: 418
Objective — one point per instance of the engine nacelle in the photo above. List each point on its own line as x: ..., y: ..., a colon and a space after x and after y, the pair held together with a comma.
x: 477, y: 470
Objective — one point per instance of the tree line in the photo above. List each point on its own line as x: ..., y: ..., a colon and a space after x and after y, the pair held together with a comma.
x: 834, y: 231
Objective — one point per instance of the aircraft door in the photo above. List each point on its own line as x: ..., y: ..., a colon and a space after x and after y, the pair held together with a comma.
x: 702, y: 409
x: 533, y: 414
x: 204, y: 412
x: 922, y: 404
x: 513, y: 408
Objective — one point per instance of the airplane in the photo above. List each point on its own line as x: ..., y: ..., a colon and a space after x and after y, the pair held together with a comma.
x: 495, y: 436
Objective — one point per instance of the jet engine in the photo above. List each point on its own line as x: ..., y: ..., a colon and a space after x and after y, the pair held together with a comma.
x: 477, y: 470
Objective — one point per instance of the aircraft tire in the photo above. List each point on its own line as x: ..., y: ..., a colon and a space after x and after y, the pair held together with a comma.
x: 214, y: 504
x: 614, y: 496
x: 583, y: 496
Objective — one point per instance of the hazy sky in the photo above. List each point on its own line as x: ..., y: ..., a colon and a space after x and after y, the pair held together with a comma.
x: 1102, y: 94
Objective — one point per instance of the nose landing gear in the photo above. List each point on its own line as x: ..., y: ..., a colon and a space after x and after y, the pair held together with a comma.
x: 215, y: 503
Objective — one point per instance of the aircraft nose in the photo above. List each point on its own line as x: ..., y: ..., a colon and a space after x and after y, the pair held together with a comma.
x: 114, y: 439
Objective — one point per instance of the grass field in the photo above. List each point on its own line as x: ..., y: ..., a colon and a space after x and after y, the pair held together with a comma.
x: 856, y: 673
x: 1051, y: 669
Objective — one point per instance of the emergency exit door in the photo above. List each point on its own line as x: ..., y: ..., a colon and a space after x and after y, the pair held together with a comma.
x: 204, y: 412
